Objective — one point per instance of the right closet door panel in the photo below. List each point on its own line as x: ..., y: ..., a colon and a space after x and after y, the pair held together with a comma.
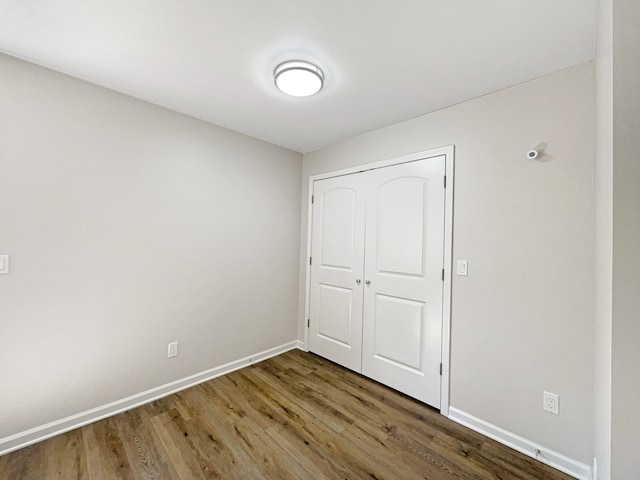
x: 403, y: 291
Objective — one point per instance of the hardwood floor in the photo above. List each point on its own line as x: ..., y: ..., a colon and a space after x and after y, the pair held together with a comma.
x: 296, y: 416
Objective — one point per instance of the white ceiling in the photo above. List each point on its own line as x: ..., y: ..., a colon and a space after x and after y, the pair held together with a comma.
x: 384, y: 61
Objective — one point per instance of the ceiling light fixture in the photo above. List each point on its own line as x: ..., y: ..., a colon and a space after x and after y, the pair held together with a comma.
x: 298, y: 78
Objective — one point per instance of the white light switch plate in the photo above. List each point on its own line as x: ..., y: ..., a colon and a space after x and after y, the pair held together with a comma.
x: 461, y: 269
x: 4, y: 264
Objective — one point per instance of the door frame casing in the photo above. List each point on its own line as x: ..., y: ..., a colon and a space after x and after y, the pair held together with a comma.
x: 448, y: 152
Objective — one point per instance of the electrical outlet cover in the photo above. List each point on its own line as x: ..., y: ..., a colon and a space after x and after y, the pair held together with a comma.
x: 4, y: 263
x: 551, y: 403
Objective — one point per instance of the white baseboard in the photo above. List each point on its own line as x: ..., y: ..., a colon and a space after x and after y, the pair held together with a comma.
x: 37, y: 434
x: 556, y: 460
x: 300, y: 345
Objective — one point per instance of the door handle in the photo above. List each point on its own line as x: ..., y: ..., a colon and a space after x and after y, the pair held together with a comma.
x: 368, y: 282
x: 358, y: 281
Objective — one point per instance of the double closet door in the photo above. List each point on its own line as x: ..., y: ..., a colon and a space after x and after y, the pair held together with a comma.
x: 377, y: 250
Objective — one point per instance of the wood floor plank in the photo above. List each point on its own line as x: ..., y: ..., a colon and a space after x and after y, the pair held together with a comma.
x: 105, y: 455
x: 146, y: 460
x: 210, y: 453
x: 273, y: 460
x: 293, y: 416
x: 184, y: 463
x: 294, y: 362
x: 25, y: 463
x: 258, y: 408
x: 66, y: 456
x: 288, y: 409
x: 229, y: 407
x: 320, y: 444
x: 228, y: 437
x: 415, y: 466
x: 311, y: 400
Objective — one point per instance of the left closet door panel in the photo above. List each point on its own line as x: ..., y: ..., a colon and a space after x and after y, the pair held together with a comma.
x: 337, y: 252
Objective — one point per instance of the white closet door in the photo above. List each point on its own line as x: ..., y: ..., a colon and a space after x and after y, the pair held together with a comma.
x: 335, y: 330
x: 402, y: 331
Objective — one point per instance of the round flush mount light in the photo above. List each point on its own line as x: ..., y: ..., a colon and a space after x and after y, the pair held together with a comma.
x: 298, y: 78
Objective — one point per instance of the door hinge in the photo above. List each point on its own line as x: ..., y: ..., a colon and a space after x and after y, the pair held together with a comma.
x: 445, y: 182
x: 443, y: 274
x: 310, y: 260
x: 312, y: 199
x: 441, y: 369
x: 308, y: 322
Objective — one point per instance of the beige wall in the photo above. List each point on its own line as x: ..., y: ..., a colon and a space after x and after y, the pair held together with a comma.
x: 523, y: 320
x: 603, y: 254
x: 625, y: 377
x: 131, y: 226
